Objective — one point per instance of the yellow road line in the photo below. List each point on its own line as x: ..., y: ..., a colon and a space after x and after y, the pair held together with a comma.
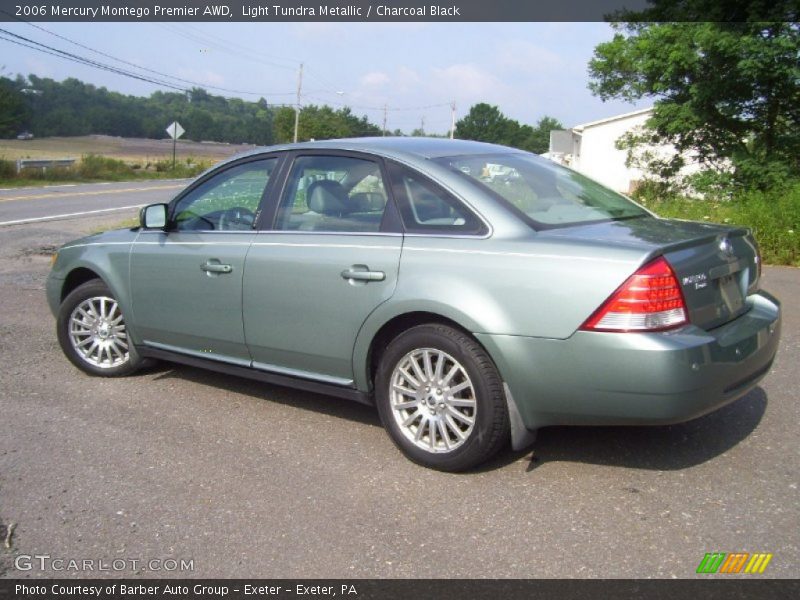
x: 97, y: 193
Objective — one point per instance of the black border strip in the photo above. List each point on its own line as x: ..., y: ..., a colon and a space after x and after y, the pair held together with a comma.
x: 277, y: 11
x: 711, y: 587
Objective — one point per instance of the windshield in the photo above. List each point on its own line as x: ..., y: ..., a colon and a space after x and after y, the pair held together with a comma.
x: 546, y: 193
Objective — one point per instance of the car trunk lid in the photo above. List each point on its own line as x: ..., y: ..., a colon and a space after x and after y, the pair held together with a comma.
x: 716, y: 266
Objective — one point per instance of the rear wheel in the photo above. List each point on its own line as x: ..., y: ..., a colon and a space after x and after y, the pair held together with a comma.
x: 93, y: 334
x: 441, y: 399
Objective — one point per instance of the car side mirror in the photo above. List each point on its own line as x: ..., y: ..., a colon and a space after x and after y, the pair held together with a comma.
x: 154, y: 216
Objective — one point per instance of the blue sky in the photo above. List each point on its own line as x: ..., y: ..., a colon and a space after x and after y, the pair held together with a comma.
x: 527, y: 69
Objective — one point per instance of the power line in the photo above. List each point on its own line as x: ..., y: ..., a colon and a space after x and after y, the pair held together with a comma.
x: 232, y: 44
x: 239, y: 50
x: 175, y: 77
x: 46, y: 49
x: 141, y: 68
x: 247, y: 55
x: 80, y: 59
x: 382, y: 108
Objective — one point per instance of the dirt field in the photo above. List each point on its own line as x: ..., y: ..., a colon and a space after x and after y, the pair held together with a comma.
x: 127, y: 149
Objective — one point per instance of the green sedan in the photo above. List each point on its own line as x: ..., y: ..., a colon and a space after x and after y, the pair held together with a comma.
x: 473, y: 293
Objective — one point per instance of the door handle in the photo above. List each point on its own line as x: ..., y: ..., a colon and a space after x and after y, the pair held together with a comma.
x: 210, y: 267
x: 362, y: 273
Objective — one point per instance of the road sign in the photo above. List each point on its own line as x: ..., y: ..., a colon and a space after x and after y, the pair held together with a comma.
x: 175, y: 130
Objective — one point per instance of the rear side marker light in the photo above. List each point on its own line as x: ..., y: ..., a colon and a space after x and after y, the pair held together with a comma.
x: 650, y: 300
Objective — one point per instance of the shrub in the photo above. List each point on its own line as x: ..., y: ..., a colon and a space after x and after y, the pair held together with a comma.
x: 8, y: 169
x: 93, y: 166
x: 774, y: 217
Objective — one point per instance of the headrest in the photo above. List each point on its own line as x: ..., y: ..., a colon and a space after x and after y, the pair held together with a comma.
x: 367, y: 202
x: 327, y: 197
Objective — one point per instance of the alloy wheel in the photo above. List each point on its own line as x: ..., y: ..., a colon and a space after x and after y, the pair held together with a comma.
x: 97, y: 332
x: 433, y: 400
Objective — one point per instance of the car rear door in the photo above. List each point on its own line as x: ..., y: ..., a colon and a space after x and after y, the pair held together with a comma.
x: 327, y: 257
x: 186, y: 281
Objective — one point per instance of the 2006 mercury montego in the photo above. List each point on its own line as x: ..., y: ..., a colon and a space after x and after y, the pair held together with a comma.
x: 472, y: 292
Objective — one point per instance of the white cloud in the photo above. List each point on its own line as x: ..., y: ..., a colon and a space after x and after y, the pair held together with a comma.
x: 520, y: 55
x: 42, y: 68
x: 374, y: 79
x: 407, y: 79
x: 468, y: 81
x: 202, y: 76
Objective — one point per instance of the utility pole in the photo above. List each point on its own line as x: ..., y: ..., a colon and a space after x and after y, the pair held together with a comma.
x: 453, y: 120
x: 297, y: 105
x: 422, y: 125
x: 174, y: 144
x: 385, y: 110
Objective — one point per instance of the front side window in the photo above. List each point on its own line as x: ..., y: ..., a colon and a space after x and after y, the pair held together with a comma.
x: 226, y: 202
x: 547, y: 194
x: 333, y: 193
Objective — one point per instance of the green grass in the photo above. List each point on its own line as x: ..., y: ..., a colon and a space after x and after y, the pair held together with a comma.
x: 28, y: 182
x: 773, y: 216
x: 124, y: 224
x: 95, y: 168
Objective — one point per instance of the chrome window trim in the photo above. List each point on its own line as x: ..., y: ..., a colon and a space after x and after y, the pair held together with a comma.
x: 342, y: 233
x: 471, y: 236
x: 176, y: 232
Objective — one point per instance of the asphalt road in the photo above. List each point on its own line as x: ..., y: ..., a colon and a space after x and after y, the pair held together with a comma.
x: 246, y: 479
x: 70, y: 201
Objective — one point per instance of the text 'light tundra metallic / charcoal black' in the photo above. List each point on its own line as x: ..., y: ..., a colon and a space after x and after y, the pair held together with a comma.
x: 472, y: 292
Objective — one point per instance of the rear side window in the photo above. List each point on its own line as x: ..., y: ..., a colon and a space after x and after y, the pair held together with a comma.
x: 425, y: 207
x: 544, y: 194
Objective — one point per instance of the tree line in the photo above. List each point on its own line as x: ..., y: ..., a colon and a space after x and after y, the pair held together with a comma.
x: 71, y: 107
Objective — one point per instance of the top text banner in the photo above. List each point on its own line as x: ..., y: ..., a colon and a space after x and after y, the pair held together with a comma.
x: 311, y: 10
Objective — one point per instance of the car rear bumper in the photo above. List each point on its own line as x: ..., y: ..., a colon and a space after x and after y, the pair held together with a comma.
x: 596, y: 378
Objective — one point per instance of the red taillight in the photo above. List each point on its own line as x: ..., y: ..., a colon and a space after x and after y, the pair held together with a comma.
x: 650, y: 300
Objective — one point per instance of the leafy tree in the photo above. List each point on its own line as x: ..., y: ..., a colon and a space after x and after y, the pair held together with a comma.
x: 14, y: 111
x: 321, y: 123
x: 538, y: 140
x: 726, y: 91
x: 486, y: 123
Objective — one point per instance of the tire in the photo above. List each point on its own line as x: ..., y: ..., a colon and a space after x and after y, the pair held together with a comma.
x: 98, y: 346
x: 449, y: 411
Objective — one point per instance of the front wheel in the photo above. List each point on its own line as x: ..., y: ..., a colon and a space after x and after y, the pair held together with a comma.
x: 441, y: 399
x: 92, y: 332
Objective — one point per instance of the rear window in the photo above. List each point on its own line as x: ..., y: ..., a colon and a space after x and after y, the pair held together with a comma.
x: 545, y: 193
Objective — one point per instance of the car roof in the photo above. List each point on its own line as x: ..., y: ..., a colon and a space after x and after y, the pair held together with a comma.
x: 397, y: 147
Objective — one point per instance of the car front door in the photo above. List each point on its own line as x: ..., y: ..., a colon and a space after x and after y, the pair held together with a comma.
x: 186, y: 281
x: 329, y: 257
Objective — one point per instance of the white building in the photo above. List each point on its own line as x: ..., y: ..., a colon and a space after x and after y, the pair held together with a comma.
x: 591, y: 149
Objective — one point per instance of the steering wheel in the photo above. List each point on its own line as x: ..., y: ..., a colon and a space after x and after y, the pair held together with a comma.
x: 189, y: 221
x: 236, y: 218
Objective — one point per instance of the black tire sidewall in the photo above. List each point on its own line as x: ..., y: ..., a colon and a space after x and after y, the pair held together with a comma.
x: 482, y: 442
x: 90, y: 289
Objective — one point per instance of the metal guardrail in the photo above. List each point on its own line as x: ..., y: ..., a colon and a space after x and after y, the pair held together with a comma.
x: 44, y: 163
